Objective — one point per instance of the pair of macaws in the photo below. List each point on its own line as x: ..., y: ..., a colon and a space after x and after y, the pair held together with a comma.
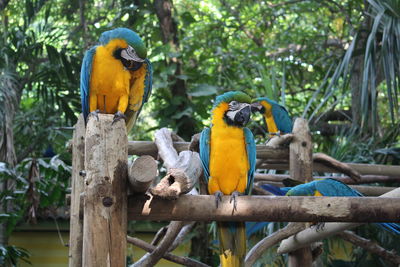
x: 228, y: 155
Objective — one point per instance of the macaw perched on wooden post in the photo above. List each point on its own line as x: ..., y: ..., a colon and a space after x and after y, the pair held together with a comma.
x: 328, y: 188
x: 228, y: 155
x: 275, y: 115
x: 116, y: 76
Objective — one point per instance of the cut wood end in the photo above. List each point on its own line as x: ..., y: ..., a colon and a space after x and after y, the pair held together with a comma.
x: 172, y: 185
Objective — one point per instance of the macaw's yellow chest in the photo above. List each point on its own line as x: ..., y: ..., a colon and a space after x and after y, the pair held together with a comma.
x: 109, y: 82
x: 228, y: 160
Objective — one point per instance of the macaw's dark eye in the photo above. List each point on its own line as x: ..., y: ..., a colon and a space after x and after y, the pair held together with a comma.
x: 233, y: 105
x: 131, y: 64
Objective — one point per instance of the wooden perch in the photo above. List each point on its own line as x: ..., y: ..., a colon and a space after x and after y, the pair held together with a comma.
x: 141, y: 173
x: 257, y: 250
x: 371, y: 247
x: 312, y: 234
x: 279, y: 141
x: 105, y: 207
x: 273, y: 158
x: 337, y: 165
x: 365, y: 179
x: 76, y: 222
x: 265, y: 208
x: 168, y: 256
x: 183, y: 170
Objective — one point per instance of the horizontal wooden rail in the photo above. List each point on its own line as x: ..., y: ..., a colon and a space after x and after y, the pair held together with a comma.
x: 266, y: 208
x: 276, y: 158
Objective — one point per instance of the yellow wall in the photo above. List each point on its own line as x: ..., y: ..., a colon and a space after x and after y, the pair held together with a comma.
x: 47, y: 250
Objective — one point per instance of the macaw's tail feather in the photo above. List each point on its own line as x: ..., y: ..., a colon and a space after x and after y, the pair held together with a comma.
x: 391, y: 227
x: 232, y: 243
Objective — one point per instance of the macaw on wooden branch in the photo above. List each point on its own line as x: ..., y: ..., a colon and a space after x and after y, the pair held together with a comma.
x: 328, y: 188
x: 275, y: 115
x: 116, y: 76
x: 228, y: 155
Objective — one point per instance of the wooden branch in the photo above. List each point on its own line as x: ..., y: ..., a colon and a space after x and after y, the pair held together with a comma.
x: 152, y: 258
x: 168, y: 256
x: 365, y: 179
x: 269, y: 241
x: 77, y: 187
x: 180, y: 238
x: 279, y: 141
x: 310, y: 235
x: 184, y: 169
x: 265, y: 208
x: 273, y: 158
x: 370, y: 169
x: 371, y: 247
x: 141, y: 173
x: 337, y: 165
x: 105, y: 207
x: 301, y: 168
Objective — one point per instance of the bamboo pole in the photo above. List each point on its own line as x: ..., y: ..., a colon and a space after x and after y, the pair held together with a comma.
x: 76, y: 223
x: 301, y: 169
x: 265, y: 208
x: 105, y: 205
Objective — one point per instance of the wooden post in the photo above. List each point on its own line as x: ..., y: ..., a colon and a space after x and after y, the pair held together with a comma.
x: 76, y: 224
x: 105, y: 205
x: 141, y: 173
x: 300, y: 164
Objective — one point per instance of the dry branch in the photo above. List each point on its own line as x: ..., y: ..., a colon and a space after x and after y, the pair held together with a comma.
x: 183, y: 170
x: 141, y: 173
x: 370, y: 246
x: 271, y: 240
x: 337, y: 165
x: 151, y: 259
x: 266, y: 208
x: 168, y: 256
x: 365, y: 179
x: 105, y: 221
x: 310, y: 235
x: 280, y: 141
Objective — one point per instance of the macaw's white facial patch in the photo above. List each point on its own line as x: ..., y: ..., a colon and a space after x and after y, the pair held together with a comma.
x: 234, y: 108
x: 129, y: 53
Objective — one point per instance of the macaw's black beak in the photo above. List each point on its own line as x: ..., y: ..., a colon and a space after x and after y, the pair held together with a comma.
x: 256, y: 107
x: 130, y: 59
x: 242, y: 117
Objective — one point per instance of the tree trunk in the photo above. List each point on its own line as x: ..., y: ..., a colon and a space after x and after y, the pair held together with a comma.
x: 186, y: 125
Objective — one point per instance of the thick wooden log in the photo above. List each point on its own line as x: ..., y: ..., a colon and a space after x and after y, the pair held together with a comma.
x: 105, y: 207
x: 310, y: 235
x: 76, y: 223
x: 301, y: 169
x: 265, y: 208
x: 141, y: 173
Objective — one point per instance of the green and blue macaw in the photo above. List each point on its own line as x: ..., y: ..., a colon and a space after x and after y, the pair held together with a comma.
x: 275, y: 115
x: 328, y: 188
x: 228, y: 155
x: 116, y: 76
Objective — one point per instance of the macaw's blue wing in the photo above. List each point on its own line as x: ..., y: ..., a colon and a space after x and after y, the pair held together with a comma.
x: 251, y: 157
x: 331, y: 188
x: 254, y: 227
x: 275, y: 190
x: 148, y: 81
x: 205, y: 151
x: 86, y: 71
x: 282, y: 118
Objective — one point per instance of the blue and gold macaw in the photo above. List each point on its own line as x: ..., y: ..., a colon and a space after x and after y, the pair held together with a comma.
x: 228, y: 155
x: 276, y: 116
x: 329, y: 188
x: 116, y: 76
